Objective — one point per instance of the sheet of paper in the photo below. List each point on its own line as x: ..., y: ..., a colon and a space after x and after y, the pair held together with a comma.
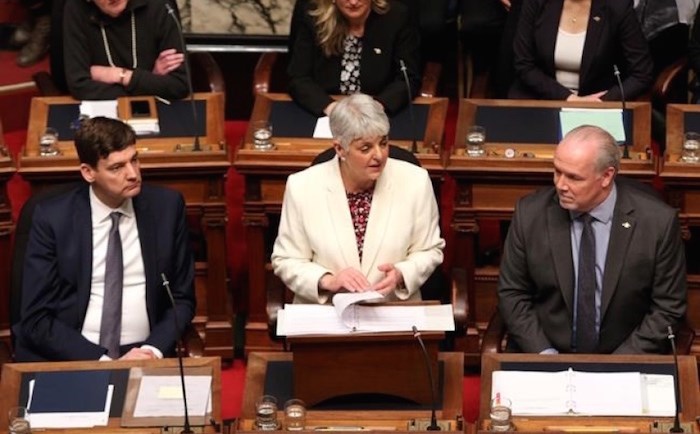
x: 71, y: 420
x: 533, y: 392
x: 144, y: 127
x: 607, y: 119
x: 608, y: 393
x: 158, y: 397
x: 106, y: 108
x: 323, y: 128
x: 658, y: 395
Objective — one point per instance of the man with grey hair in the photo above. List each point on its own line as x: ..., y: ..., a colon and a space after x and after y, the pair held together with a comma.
x: 594, y: 264
x: 361, y: 221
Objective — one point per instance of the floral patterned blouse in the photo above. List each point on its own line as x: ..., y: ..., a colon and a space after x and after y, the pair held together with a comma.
x: 360, y: 204
x: 350, y: 65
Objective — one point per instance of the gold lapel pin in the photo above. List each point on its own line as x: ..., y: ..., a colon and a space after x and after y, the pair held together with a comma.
x: 626, y: 225
x: 377, y: 51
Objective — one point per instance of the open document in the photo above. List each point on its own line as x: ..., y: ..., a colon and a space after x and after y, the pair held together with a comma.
x: 572, y: 392
x: 611, y: 120
x: 362, y: 312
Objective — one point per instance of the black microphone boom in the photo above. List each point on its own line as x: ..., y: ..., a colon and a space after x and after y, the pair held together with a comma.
x: 676, y: 421
x: 625, y: 150
x: 433, y: 419
x: 414, y: 146
x: 186, y: 429
x: 171, y: 12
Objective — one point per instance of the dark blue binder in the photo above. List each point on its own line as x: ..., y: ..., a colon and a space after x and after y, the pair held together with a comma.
x: 69, y: 391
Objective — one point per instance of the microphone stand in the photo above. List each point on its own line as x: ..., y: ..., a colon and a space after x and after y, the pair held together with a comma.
x: 433, y: 418
x: 625, y: 149
x: 185, y: 429
x: 196, y: 147
x: 676, y: 421
x: 414, y: 145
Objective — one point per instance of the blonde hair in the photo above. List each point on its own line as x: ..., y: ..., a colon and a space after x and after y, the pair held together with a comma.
x: 331, y: 26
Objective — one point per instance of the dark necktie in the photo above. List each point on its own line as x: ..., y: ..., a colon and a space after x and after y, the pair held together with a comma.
x: 110, y: 328
x: 586, y: 335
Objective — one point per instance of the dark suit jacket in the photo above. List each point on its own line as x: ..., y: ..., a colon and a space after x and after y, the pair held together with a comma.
x: 614, y: 37
x: 643, y: 284
x: 58, y: 269
x: 313, y: 77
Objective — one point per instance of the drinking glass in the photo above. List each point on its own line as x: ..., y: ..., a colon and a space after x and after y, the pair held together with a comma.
x: 691, y: 145
x: 18, y: 420
x: 48, y: 143
x: 262, y: 133
x: 295, y: 415
x: 501, y: 414
x: 476, y: 137
x: 266, y: 413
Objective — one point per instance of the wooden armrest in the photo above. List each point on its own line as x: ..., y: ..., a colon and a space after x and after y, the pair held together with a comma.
x: 44, y: 82
x: 5, y: 354
x: 430, y: 79
x: 493, y: 337
x: 459, y: 300
x: 684, y: 338
x: 194, y: 346
x: 671, y: 86
x: 206, y: 73
x: 263, y: 72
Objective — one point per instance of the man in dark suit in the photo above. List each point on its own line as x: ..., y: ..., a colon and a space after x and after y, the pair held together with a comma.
x: 70, y: 260
x: 594, y: 264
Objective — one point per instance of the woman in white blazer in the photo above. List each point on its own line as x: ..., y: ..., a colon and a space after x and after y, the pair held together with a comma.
x: 361, y: 221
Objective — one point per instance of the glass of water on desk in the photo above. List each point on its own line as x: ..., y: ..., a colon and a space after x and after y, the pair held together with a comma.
x: 266, y: 413
x: 476, y: 137
x: 501, y: 414
x: 18, y: 419
x: 48, y: 143
x: 262, y: 136
x: 691, y: 147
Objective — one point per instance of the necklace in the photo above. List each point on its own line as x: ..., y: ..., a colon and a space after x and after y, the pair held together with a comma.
x: 133, y: 42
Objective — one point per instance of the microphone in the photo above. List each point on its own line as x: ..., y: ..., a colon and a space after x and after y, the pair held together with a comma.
x: 676, y: 421
x: 414, y: 146
x: 625, y: 151
x: 433, y: 419
x: 196, y: 147
x: 186, y: 429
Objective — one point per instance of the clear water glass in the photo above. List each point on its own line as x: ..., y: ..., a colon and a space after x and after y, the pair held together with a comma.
x: 691, y: 147
x: 18, y: 421
x: 295, y: 415
x: 501, y: 414
x: 266, y: 413
x: 48, y: 143
x: 262, y: 136
x: 476, y: 137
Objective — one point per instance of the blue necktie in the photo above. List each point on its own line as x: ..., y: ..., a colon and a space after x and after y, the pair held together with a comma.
x: 111, y: 326
x: 586, y: 335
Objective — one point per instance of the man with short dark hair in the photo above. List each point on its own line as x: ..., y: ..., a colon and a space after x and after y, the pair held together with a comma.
x: 92, y: 286
x: 594, y: 264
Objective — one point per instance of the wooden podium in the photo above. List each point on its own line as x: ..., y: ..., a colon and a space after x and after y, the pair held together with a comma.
x: 688, y: 379
x: 15, y: 376
x: 387, y: 363
x: 199, y: 176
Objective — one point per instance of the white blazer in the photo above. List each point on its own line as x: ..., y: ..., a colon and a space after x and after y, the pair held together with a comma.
x: 316, y: 235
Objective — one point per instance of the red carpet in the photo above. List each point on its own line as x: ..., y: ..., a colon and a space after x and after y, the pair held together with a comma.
x: 13, y: 74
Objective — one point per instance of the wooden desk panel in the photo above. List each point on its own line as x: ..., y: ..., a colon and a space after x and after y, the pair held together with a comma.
x: 7, y: 169
x: 394, y: 419
x: 11, y: 381
x: 199, y: 176
x: 688, y: 375
x: 266, y: 175
x: 487, y: 188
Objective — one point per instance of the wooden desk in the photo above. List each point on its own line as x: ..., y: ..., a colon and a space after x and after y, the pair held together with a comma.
x: 7, y: 169
x: 389, y: 419
x: 11, y: 381
x: 265, y: 179
x: 688, y: 375
x: 682, y: 189
x: 199, y: 176
x: 488, y: 187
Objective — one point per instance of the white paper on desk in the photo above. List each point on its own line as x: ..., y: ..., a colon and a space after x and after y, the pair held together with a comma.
x: 608, y: 119
x: 658, y: 395
x: 306, y: 319
x: 70, y: 420
x: 144, y: 126
x: 161, y: 396
x: 323, y: 128
x: 106, y: 108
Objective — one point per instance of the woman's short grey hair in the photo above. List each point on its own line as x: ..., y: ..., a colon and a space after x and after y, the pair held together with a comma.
x: 358, y: 116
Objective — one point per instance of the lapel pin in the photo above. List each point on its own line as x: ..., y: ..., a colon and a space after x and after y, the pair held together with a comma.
x: 626, y: 225
x: 377, y: 51
x: 596, y: 18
